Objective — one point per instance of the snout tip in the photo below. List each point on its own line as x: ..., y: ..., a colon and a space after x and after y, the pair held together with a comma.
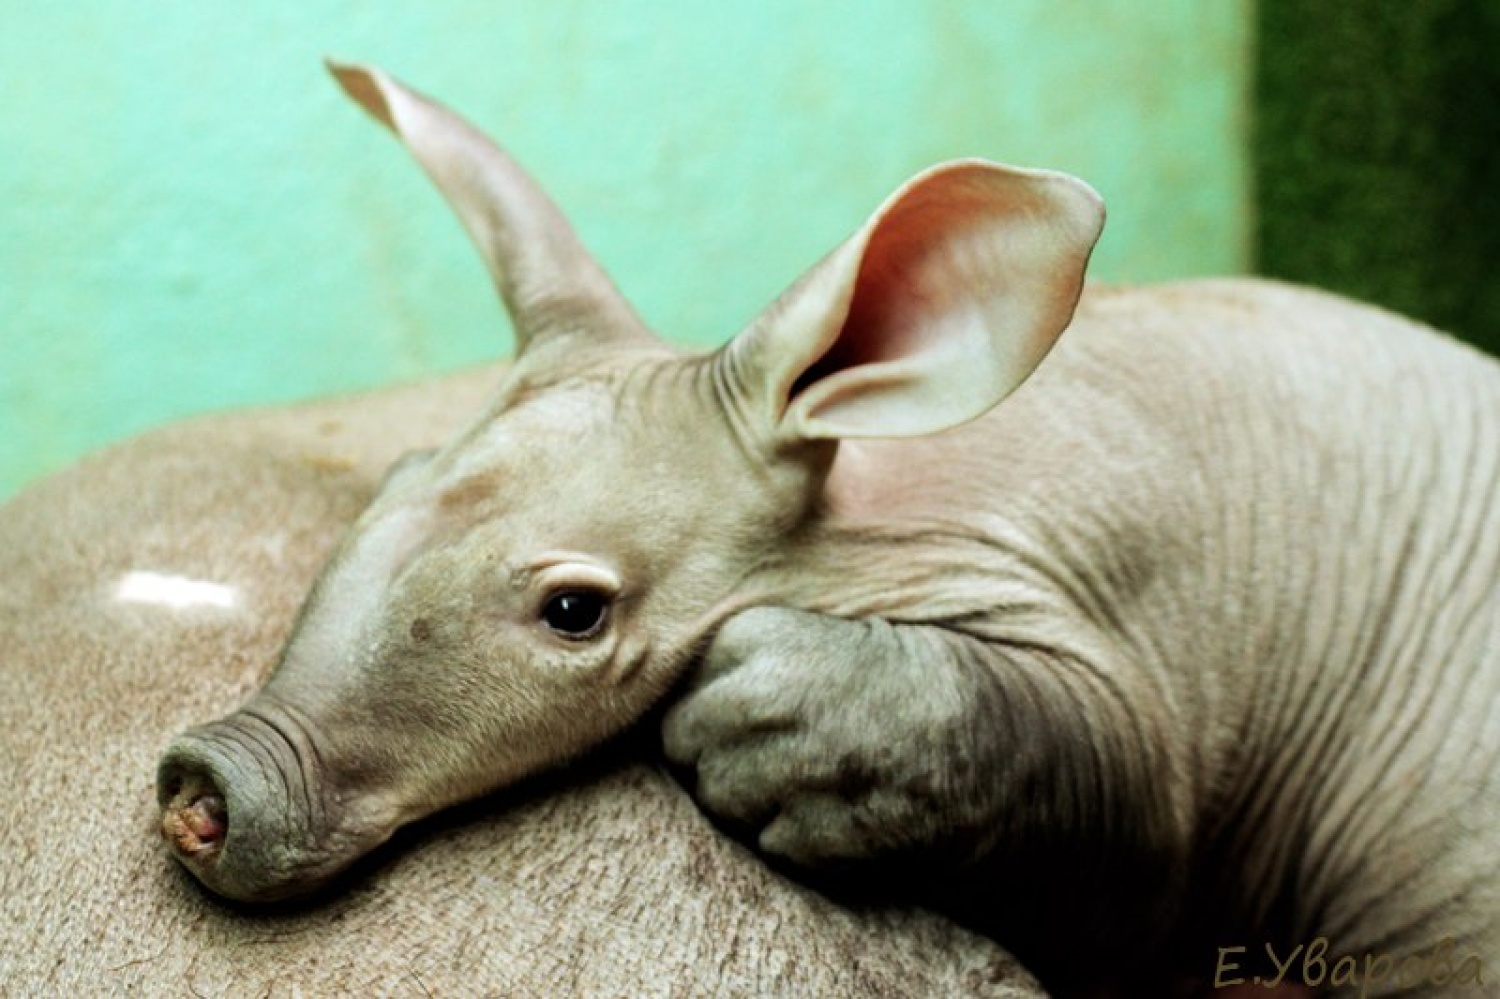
x: 225, y: 815
x: 194, y: 822
x: 194, y: 817
x: 222, y: 820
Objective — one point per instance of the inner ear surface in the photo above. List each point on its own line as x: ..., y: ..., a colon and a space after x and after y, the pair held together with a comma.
x: 928, y: 250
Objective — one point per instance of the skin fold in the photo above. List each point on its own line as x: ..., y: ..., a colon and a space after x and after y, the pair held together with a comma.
x: 1132, y: 645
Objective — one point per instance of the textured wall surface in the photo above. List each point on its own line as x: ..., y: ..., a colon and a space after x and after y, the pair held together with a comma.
x: 1377, y: 154
x: 192, y: 217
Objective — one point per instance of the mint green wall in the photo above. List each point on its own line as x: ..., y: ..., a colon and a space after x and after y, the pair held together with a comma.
x: 192, y: 217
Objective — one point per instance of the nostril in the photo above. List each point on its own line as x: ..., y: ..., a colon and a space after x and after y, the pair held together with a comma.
x: 194, y: 819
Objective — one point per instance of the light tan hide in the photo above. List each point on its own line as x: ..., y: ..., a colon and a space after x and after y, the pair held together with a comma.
x: 613, y: 886
x: 1188, y: 640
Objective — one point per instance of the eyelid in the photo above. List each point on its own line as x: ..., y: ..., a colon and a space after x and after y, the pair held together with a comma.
x: 548, y: 579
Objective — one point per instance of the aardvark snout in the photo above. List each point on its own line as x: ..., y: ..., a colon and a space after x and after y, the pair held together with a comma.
x: 240, y: 810
x: 203, y: 784
x: 250, y: 807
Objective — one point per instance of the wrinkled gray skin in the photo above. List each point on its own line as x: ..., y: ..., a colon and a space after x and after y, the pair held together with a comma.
x: 612, y: 886
x: 1193, y: 641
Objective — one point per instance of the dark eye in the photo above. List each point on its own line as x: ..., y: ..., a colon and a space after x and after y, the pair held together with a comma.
x: 576, y: 614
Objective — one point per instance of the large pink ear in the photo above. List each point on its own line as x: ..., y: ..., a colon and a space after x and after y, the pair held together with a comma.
x: 934, y: 311
x: 545, y: 275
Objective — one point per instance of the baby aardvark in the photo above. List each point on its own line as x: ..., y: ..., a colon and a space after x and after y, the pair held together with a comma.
x: 1193, y: 643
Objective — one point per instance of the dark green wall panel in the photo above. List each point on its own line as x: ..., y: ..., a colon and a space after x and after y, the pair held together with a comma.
x: 1376, y: 134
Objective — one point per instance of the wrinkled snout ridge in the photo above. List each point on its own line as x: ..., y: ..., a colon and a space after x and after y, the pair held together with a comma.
x: 242, y: 809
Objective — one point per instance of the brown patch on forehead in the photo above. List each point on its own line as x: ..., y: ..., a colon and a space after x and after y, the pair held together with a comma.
x: 468, y: 492
x: 513, y: 446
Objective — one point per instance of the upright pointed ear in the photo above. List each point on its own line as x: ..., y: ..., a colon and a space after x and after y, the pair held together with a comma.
x: 545, y: 275
x: 932, y: 313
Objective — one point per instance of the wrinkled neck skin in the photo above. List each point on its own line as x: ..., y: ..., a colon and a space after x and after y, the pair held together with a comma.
x: 1251, y: 612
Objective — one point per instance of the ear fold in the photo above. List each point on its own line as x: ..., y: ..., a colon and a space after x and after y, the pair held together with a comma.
x: 545, y: 276
x: 933, y: 312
